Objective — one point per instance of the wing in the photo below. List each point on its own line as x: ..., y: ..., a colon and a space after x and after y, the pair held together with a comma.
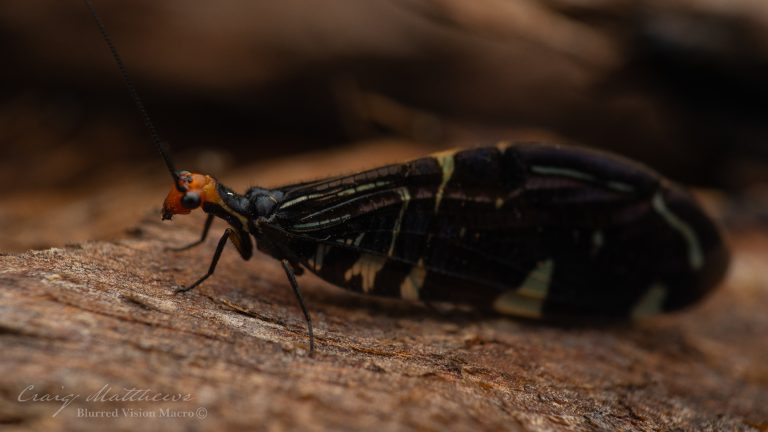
x: 526, y: 229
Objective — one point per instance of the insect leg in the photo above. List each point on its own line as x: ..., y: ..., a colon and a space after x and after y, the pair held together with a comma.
x: 292, y: 278
x: 206, y: 227
x: 216, y: 256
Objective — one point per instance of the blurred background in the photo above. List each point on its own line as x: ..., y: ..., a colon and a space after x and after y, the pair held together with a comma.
x: 269, y: 92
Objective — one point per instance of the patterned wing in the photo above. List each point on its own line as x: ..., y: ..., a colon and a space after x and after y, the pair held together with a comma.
x: 526, y: 229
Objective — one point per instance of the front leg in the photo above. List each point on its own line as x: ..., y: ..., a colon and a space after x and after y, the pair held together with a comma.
x: 239, y: 239
x: 212, y: 267
x: 206, y: 227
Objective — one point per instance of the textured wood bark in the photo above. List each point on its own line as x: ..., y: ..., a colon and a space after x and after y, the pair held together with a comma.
x: 76, y: 319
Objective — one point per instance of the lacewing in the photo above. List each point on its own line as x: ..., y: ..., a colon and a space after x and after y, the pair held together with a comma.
x: 524, y: 229
x: 530, y: 230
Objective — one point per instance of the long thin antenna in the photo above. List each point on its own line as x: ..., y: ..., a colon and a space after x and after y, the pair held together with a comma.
x: 135, y: 96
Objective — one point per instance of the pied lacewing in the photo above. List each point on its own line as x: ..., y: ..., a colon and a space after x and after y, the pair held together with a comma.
x: 526, y: 229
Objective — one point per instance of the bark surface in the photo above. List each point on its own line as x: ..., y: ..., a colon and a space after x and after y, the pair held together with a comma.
x: 98, y: 319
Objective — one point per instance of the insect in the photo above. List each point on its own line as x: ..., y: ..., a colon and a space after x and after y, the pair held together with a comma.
x: 530, y: 230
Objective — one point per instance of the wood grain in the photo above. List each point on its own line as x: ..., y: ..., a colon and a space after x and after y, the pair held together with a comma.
x: 102, y: 313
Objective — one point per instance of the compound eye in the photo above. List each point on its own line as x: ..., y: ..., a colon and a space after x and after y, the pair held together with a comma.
x: 191, y: 200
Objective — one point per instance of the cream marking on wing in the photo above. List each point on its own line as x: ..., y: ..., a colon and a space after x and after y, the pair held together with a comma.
x: 335, y: 206
x: 597, y: 241
x: 300, y: 199
x: 362, y: 188
x: 412, y: 284
x: 695, y: 255
x: 359, y: 239
x: 563, y: 172
x: 528, y: 299
x: 323, y: 223
x: 405, y: 196
x: 620, y: 186
x: 579, y: 175
x: 367, y: 266
x: 499, y: 202
x: 320, y: 253
x: 446, y: 162
x: 652, y: 302
x: 536, y: 285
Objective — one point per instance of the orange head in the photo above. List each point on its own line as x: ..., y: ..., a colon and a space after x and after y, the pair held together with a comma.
x: 196, y: 189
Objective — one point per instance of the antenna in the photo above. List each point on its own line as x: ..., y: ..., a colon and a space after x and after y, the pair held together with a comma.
x: 135, y: 96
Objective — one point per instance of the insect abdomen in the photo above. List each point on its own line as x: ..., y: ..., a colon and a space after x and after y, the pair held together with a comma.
x: 528, y: 230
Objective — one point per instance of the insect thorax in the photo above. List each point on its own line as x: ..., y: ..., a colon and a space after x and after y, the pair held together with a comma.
x: 262, y: 201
